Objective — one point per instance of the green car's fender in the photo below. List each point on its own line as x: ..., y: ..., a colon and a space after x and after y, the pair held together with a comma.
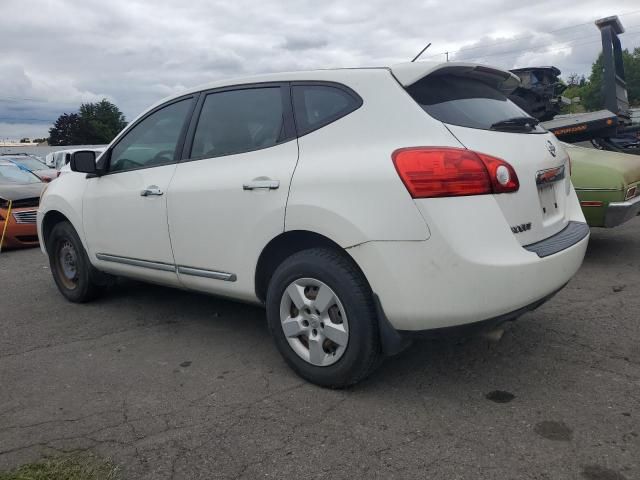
x: 601, y: 178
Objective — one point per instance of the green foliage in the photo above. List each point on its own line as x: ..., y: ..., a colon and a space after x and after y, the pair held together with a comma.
x: 96, y: 123
x: 68, y: 467
x: 590, y: 91
x: 66, y: 130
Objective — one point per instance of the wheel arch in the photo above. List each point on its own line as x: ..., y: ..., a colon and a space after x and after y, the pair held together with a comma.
x: 293, y: 241
x: 49, y: 221
x: 285, y: 245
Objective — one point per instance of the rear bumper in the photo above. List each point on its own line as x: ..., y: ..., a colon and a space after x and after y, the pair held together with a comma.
x: 618, y: 213
x: 395, y: 341
x: 433, y: 284
x: 568, y: 236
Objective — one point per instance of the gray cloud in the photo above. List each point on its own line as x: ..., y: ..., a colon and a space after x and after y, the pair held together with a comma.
x: 302, y: 42
x: 134, y: 52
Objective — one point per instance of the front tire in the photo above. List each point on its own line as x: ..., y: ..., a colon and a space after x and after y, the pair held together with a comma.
x: 321, y: 314
x: 74, y: 275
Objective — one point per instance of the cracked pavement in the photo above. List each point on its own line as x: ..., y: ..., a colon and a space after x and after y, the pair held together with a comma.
x: 177, y: 385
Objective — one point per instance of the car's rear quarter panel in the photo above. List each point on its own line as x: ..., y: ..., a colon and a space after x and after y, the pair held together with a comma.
x: 345, y: 185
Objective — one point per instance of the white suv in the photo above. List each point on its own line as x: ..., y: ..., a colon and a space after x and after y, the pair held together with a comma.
x: 360, y: 206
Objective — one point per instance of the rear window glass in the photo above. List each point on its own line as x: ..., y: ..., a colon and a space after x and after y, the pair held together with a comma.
x: 318, y: 105
x: 465, y: 102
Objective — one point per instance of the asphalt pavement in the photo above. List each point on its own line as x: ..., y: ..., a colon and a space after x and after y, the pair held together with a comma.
x: 177, y: 385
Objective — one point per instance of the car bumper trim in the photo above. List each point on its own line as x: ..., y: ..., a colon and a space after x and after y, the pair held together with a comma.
x: 619, y: 212
x: 567, y: 237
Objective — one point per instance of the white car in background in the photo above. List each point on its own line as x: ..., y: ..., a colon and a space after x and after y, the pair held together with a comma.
x: 362, y: 207
x: 60, y: 158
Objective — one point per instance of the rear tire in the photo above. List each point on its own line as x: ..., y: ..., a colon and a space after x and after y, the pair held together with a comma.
x: 322, y: 317
x: 72, y: 271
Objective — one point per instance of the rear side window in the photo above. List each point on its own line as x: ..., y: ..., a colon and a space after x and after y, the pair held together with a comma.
x: 318, y: 105
x: 239, y: 121
x: 465, y: 102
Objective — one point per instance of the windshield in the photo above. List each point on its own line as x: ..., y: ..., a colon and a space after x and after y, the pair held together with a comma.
x: 30, y: 163
x: 465, y: 102
x: 13, y: 174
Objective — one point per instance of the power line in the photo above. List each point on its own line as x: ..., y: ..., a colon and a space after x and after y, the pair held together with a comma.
x: 15, y: 99
x: 16, y: 119
x: 631, y: 33
x: 524, y: 37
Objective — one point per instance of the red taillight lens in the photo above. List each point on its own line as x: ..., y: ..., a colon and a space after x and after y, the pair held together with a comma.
x: 450, y: 172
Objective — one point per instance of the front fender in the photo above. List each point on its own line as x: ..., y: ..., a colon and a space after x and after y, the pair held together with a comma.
x: 63, y: 195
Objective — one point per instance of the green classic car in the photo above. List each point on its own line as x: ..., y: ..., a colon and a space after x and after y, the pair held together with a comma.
x: 607, y: 184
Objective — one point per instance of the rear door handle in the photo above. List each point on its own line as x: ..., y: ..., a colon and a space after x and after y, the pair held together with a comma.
x: 151, y: 190
x: 267, y: 184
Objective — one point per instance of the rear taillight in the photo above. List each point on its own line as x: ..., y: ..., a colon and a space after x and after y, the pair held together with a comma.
x: 450, y: 172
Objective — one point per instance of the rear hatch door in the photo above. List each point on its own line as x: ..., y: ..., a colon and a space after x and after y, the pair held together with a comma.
x: 474, y: 107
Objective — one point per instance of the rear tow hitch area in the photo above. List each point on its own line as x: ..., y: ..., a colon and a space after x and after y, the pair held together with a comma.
x: 395, y: 341
x: 493, y: 335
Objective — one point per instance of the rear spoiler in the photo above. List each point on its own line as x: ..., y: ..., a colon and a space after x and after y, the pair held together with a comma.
x: 409, y: 73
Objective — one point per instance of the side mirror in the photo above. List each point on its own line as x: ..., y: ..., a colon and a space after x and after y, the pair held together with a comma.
x: 84, y: 161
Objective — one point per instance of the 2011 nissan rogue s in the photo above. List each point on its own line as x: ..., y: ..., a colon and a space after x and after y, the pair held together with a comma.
x: 360, y: 206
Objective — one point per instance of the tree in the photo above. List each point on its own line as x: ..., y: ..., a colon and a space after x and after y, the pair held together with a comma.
x: 573, y: 80
x: 96, y: 123
x: 590, y: 91
x: 65, y: 130
x: 100, y: 122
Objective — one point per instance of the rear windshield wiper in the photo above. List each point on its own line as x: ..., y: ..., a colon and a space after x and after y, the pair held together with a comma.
x: 516, y: 124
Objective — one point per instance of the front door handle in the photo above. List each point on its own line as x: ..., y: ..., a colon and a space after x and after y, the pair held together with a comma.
x: 266, y: 184
x: 151, y: 190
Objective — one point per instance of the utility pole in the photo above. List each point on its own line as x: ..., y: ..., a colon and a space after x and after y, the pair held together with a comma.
x: 447, y: 54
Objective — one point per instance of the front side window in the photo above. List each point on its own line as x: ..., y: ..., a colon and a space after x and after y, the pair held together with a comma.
x: 153, y: 141
x: 318, y: 105
x: 239, y: 121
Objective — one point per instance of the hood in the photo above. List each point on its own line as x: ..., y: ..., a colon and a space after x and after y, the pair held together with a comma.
x: 49, y: 173
x: 18, y: 191
x: 591, y: 168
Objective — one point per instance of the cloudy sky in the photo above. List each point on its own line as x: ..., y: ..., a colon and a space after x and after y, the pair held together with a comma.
x: 56, y: 54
